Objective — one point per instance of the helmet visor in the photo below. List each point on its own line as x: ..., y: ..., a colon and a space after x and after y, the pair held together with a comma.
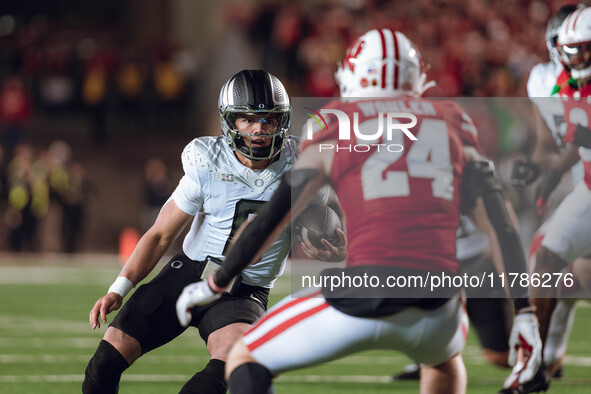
x: 575, y: 56
x: 258, y: 135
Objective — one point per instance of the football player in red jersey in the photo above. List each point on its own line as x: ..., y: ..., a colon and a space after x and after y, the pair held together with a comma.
x: 402, y: 208
x: 569, y: 232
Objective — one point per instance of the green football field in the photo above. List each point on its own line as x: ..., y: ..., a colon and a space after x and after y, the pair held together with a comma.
x: 46, y: 341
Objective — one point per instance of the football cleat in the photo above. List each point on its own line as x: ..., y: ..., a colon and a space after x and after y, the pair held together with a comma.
x: 540, y: 382
x: 410, y: 372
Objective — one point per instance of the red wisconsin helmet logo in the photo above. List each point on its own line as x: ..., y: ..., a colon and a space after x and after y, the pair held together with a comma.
x: 352, y: 53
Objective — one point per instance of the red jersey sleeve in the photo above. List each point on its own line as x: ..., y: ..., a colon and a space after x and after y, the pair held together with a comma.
x: 459, y: 120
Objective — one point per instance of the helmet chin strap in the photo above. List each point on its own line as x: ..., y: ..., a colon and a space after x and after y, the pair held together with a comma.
x: 259, y: 154
x: 255, y: 153
x: 582, y: 76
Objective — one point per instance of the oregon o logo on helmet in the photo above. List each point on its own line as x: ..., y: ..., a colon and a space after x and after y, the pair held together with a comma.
x: 393, y: 121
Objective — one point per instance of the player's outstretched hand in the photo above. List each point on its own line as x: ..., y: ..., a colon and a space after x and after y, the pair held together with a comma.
x: 332, y: 253
x: 198, y: 293
x: 105, y: 305
x: 525, y: 335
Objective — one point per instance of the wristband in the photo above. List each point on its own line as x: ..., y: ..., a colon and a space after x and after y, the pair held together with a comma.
x: 529, y: 309
x: 121, y: 286
x: 213, y: 286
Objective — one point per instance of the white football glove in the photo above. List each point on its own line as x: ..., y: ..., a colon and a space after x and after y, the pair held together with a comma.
x: 198, y: 293
x: 513, y: 379
x: 525, y: 334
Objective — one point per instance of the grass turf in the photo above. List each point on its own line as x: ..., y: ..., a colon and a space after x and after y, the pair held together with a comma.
x: 46, y: 342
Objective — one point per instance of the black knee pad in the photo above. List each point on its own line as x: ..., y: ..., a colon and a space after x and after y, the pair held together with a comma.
x: 250, y: 378
x: 209, y: 380
x: 104, y: 370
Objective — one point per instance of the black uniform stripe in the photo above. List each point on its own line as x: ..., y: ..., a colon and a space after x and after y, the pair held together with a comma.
x: 256, y: 86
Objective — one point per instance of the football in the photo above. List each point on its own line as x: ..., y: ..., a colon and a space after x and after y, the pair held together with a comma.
x: 318, y: 221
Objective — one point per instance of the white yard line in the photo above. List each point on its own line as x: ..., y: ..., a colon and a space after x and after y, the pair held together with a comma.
x: 286, y: 379
x: 39, y: 342
x: 579, y: 361
x: 74, y: 358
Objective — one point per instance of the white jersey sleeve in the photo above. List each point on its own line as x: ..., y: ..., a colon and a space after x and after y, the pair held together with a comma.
x: 540, y: 85
x: 188, y: 195
x: 542, y: 79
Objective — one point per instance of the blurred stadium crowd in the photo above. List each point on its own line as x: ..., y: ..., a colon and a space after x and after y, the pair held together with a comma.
x: 68, y: 66
x: 474, y: 48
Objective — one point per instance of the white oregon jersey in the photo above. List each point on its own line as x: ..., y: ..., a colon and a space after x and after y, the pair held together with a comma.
x: 221, y: 192
x: 540, y: 84
x: 542, y: 80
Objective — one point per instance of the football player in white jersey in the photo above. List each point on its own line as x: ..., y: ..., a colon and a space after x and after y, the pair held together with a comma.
x: 548, y: 112
x: 226, y: 180
x: 550, y: 129
x: 567, y: 237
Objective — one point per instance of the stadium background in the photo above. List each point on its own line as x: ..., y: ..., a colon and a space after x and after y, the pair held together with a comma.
x: 97, y: 100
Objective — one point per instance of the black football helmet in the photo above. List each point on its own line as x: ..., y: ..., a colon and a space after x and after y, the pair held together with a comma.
x: 254, y: 92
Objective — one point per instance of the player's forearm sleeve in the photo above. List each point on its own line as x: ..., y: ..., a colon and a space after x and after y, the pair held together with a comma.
x: 479, y: 181
x: 248, y: 246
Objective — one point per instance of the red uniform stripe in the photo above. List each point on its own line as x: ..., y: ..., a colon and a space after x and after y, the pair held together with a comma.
x: 464, y: 331
x: 285, y: 325
x: 282, y: 308
x: 384, y: 54
x: 535, y: 245
x: 568, y: 19
x: 587, y: 179
x: 396, y: 58
x: 577, y: 18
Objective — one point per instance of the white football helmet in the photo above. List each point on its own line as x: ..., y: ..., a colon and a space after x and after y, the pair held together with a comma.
x: 574, y: 44
x: 381, y: 63
x: 553, y: 27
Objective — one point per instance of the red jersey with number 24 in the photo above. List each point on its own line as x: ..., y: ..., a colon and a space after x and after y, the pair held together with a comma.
x: 400, y: 197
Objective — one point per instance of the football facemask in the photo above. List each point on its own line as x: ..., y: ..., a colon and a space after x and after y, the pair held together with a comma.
x: 258, y: 135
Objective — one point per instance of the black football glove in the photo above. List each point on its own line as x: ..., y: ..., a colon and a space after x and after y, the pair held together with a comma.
x: 524, y: 172
x: 544, y: 189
